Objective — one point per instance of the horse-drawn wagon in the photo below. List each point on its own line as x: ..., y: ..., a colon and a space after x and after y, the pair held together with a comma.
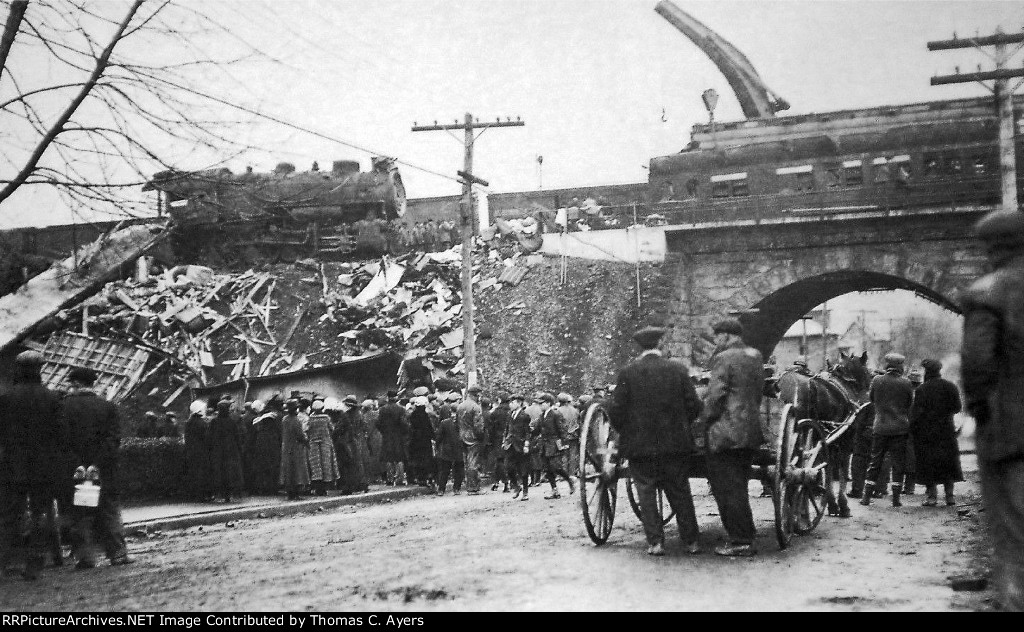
x: 810, y: 448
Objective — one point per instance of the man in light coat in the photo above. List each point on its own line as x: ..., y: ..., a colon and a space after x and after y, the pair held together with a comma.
x: 733, y: 431
x: 470, y: 419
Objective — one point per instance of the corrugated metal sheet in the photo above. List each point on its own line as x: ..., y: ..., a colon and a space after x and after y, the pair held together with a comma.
x: 118, y: 365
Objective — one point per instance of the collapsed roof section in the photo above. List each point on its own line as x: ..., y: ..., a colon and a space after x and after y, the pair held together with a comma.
x: 69, y: 281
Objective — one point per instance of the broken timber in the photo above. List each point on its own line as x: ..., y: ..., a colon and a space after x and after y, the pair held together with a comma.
x: 63, y: 283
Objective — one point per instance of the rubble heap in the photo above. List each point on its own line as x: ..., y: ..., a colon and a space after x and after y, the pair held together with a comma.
x: 201, y: 327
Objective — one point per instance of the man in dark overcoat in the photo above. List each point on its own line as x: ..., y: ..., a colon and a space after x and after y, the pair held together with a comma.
x: 197, y: 452
x: 934, y: 433
x: 892, y: 394
x: 653, y: 407
x: 350, y: 443
x: 549, y: 436
x: 992, y: 357
x: 294, y: 470
x: 94, y: 426
x: 515, y: 444
x: 35, y: 460
x: 497, y: 422
x: 421, y: 438
x: 225, y: 452
x: 393, y: 423
x: 450, y: 456
x: 733, y: 431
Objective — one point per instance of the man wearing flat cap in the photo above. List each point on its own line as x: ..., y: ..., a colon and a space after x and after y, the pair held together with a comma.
x: 652, y: 408
x: 892, y: 394
x: 992, y: 357
x: 34, y: 460
x: 95, y: 430
x: 732, y: 428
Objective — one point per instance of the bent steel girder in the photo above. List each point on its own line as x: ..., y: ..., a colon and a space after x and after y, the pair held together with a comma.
x: 756, y: 100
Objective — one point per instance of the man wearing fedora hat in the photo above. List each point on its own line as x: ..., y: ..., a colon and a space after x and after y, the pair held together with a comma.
x: 892, y: 395
x: 992, y: 357
x: 733, y: 431
x: 652, y: 408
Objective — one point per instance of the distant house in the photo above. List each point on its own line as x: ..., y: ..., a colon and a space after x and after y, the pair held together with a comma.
x: 814, y: 345
x: 875, y: 338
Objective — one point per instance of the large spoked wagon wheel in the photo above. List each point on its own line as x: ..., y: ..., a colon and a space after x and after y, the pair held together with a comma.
x: 597, y: 487
x: 802, y: 477
x: 783, y: 454
x: 664, y: 509
x: 815, y: 477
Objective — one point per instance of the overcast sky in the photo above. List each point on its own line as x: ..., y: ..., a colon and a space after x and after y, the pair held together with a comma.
x: 603, y: 85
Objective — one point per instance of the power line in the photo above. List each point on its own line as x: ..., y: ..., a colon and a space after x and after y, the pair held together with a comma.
x: 307, y: 130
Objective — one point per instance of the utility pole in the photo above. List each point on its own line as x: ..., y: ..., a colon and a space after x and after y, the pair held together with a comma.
x: 468, y: 223
x: 1003, y: 94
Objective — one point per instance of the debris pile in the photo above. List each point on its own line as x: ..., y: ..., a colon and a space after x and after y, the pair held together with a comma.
x: 198, y: 327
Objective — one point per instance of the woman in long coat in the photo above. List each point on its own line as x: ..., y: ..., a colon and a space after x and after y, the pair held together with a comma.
x: 294, y: 471
x: 225, y: 452
x: 935, y: 444
x: 265, y: 449
x: 197, y: 453
x: 323, y: 465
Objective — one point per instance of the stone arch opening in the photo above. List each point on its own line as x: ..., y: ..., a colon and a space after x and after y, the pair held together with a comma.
x: 775, y: 313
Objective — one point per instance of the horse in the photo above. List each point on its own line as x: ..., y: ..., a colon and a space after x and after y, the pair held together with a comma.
x: 830, y: 397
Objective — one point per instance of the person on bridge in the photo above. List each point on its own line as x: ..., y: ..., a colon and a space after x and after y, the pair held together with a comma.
x: 992, y: 356
x: 733, y: 431
x: 653, y: 407
x: 892, y: 394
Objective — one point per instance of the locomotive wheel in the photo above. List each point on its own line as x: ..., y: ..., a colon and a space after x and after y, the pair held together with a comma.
x: 631, y: 494
x: 810, y: 498
x: 597, y: 490
x: 781, y: 491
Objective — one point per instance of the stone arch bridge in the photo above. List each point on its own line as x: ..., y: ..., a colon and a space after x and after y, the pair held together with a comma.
x: 772, y: 271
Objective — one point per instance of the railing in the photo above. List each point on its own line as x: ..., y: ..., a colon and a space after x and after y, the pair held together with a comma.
x: 960, y: 194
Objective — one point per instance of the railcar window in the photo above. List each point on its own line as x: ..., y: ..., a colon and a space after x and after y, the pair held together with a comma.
x: 955, y: 166
x: 931, y: 165
x: 979, y: 162
x: 833, y: 176
x: 729, y: 184
x: 692, y: 187
x: 853, y: 173
x: 880, y: 170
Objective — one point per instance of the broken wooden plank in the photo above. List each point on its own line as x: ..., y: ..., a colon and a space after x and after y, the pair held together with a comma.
x: 173, y: 396
x: 294, y: 326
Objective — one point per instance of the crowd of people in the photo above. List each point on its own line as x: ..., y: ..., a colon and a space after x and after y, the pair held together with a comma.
x: 433, y: 434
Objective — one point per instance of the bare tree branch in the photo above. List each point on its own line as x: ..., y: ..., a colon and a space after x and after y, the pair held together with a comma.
x: 57, y: 127
x: 14, y: 18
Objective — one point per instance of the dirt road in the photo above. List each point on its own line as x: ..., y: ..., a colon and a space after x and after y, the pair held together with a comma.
x: 491, y: 553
